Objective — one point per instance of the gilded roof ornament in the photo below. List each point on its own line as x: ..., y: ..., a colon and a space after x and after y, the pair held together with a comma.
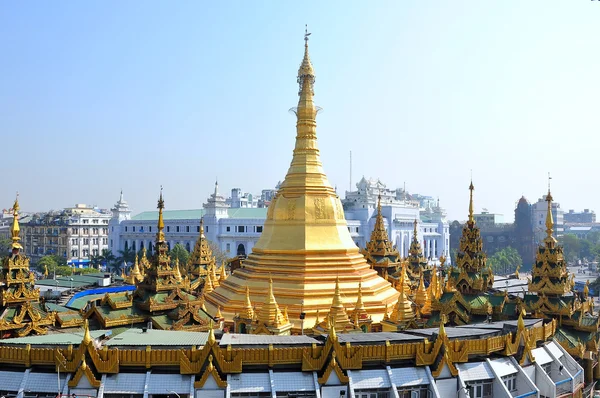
x: 160, y: 235
x: 87, y: 338
x: 15, y: 229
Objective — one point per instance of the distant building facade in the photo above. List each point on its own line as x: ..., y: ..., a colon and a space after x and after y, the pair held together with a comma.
x: 487, y: 219
x: 539, y: 210
x: 76, y: 233
x: 496, y: 236
x: 583, y: 217
x: 235, y: 224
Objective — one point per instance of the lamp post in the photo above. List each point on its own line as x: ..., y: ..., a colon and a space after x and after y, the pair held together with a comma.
x: 71, y: 279
x: 58, y: 374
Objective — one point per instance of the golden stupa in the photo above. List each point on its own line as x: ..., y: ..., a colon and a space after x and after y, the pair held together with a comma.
x: 305, y: 244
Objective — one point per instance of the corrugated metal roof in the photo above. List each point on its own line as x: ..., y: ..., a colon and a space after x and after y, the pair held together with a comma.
x: 369, y: 379
x: 475, y: 371
x: 125, y: 383
x: 11, y: 381
x: 162, y: 384
x: 409, y: 376
x: 153, y: 337
x: 249, y: 382
x: 44, y: 382
x: 196, y: 214
x: 503, y: 366
x: 541, y: 356
x: 257, y: 339
x: 551, y: 346
x: 55, y: 338
x: 293, y: 381
x: 376, y: 337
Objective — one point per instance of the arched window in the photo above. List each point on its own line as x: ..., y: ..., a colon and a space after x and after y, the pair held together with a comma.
x: 241, y: 250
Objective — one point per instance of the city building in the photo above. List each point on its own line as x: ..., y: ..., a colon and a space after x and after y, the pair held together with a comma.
x: 539, y: 212
x: 485, y: 219
x: 584, y: 217
x: 495, y: 237
x: 239, y: 199
x: 76, y: 233
x: 399, y: 210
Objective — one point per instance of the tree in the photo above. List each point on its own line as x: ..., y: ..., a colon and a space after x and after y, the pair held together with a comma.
x: 572, y: 247
x: 505, y: 261
x: 220, y: 256
x: 106, y: 258
x: 126, y: 255
x: 5, y: 245
x: 180, y: 253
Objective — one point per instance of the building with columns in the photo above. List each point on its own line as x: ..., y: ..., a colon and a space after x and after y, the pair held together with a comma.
x: 399, y: 210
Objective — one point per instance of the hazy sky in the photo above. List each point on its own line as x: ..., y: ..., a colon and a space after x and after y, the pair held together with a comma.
x: 96, y: 96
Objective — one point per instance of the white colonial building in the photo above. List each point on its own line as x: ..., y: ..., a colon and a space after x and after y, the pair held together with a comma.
x: 235, y: 223
x: 399, y: 210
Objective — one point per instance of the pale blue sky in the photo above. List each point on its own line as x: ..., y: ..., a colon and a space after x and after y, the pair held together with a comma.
x: 96, y: 96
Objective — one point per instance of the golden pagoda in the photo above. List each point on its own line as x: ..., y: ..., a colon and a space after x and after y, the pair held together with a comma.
x: 416, y: 261
x: 403, y: 314
x: 270, y: 319
x: 162, y: 297
x: 551, y: 296
x: 337, y: 317
x: 359, y: 316
x: 201, y: 260
x: 135, y: 275
x: 21, y: 312
x: 466, y: 297
x: 379, y: 252
x: 305, y: 244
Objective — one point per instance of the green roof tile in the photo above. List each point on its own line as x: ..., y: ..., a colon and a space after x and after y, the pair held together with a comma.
x: 153, y: 337
x: 196, y: 214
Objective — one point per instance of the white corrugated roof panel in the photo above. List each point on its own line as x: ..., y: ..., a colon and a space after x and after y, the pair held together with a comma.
x: 405, y: 377
x: 503, y: 366
x: 554, y: 349
x: 11, y: 381
x: 541, y: 356
x: 125, y: 383
x: 249, y: 382
x: 368, y: 379
x: 475, y: 371
x: 164, y: 383
x: 44, y: 382
x: 293, y: 381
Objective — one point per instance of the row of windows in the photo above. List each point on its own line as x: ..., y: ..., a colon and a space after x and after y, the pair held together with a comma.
x: 86, y: 231
x: 84, y: 253
x: 86, y: 241
x: 177, y: 228
x: 94, y: 221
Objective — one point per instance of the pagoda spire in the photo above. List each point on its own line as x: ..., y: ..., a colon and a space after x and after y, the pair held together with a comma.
x: 248, y: 309
x: 471, y: 216
x: 270, y: 314
x: 160, y: 235
x: 549, y: 220
x: 403, y: 310
x: 15, y: 229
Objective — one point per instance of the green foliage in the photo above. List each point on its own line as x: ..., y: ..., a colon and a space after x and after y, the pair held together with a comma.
x: 179, y: 252
x: 581, y: 249
x: 83, y: 271
x: 5, y: 244
x: 125, y: 256
x: 52, y: 262
x: 505, y: 261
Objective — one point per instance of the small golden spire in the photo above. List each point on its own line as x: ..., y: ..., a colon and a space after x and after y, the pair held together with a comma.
x: 442, y: 331
x: 403, y: 310
x: 177, y: 275
x: 249, y: 310
x: 549, y: 220
x: 160, y: 235
x: 210, y: 363
x: 222, y: 275
x: 208, y: 286
x: 87, y: 338
x: 218, y: 315
x: 211, y: 340
x: 520, y: 322
x: 586, y: 289
x: 15, y: 229
x: 317, y: 319
x: 269, y: 313
x: 45, y: 271
x: 471, y: 217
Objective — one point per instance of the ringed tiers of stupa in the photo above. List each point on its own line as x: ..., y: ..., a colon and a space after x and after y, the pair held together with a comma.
x: 305, y: 245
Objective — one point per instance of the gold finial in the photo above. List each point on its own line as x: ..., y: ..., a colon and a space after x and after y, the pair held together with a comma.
x: 222, y: 274
x: 211, y: 340
x: 201, y: 227
x: 210, y: 363
x: 520, y: 322
x: 218, y: 315
x: 586, y: 289
x: 549, y: 220
x: 443, y: 320
x: 317, y: 318
x: 160, y: 236
x: 471, y: 189
x: 45, y: 271
x: 337, y: 297
x: 332, y: 333
x: 177, y: 271
x: 83, y: 363
x: 15, y: 229
x: 415, y: 229
x: 306, y: 73
x: 87, y: 338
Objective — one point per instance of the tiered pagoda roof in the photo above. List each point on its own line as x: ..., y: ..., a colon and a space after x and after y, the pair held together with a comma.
x: 21, y: 312
x: 163, y: 296
x: 201, y: 261
x: 379, y: 251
